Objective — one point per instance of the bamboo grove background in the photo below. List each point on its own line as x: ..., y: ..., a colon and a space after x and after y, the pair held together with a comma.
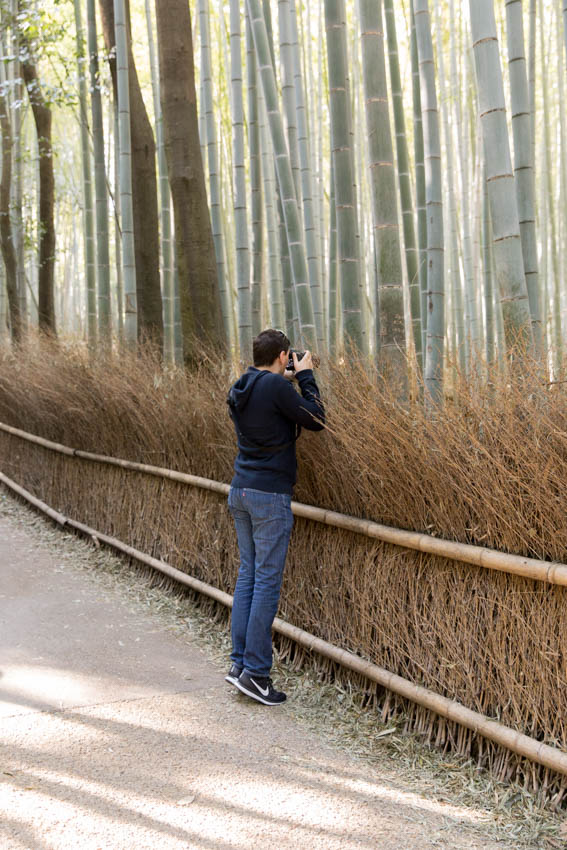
x: 392, y: 176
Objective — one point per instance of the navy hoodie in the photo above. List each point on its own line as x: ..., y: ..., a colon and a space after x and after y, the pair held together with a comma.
x: 268, y: 412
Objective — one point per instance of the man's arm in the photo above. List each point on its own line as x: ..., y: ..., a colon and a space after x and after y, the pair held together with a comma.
x: 306, y: 409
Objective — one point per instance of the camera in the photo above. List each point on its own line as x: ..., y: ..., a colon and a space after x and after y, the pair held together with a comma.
x: 298, y: 354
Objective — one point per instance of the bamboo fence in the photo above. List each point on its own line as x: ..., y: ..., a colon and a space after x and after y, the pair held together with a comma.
x: 536, y: 751
x: 548, y: 571
x: 523, y: 745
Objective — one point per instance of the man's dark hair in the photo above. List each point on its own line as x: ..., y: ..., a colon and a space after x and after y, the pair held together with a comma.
x: 268, y: 345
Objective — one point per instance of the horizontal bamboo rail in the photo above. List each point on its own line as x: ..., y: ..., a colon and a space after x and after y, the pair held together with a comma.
x: 548, y: 571
x: 492, y: 730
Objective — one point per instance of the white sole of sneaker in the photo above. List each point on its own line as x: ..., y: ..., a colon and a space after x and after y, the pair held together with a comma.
x: 257, y: 697
x: 231, y: 680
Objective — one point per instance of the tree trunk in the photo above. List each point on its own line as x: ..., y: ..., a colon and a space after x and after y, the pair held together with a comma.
x: 42, y: 118
x: 200, y: 298
x: 144, y: 188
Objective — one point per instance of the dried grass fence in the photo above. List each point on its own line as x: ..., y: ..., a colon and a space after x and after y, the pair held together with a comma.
x: 488, y: 471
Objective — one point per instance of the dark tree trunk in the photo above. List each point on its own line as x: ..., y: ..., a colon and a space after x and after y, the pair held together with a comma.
x: 198, y: 284
x: 8, y: 252
x: 144, y: 190
x: 42, y: 118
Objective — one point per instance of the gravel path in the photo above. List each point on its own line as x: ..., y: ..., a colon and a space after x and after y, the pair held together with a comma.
x: 117, y: 731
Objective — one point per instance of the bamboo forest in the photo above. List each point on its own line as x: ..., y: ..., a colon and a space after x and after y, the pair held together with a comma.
x: 383, y: 182
x: 387, y: 180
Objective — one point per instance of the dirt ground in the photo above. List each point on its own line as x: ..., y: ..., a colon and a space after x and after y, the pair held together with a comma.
x: 117, y: 730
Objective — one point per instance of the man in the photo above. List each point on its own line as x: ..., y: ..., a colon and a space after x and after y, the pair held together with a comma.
x: 268, y: 415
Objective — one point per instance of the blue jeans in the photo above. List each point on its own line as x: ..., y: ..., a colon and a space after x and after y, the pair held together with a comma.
x: 263, y: 527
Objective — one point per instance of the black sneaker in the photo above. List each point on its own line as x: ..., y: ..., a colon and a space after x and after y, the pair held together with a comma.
x: 233, y: 674
x: 259, y: 688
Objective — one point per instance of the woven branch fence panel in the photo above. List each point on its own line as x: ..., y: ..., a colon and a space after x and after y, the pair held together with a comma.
x: 492, y: 641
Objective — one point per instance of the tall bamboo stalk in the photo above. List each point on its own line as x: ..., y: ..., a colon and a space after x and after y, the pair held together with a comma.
x: 501, y: 187
x: 419, y: 186
x: 17, y: 193
x: 42, y: 113
x: 213, y: 157
x: 384, y: 206
x: 128, y: 254
x: 553, y: 248
x: 88, y: 210
x: 101, y: 191
x: 334, y: 293
x: 288, y: 92
x: 289, y: 297
x: 344, y: 175
x: 285, y: 179
x: 256, y: 207
x: 276, y: 298
x: 456, y: 286
x: 465, y: 125
x: 165, y: 203
x: 561, y: 157
x: 306, y: 183
x: 488, y: 280
x: 9, y: 283
x: 413, y: 256
x: 240, y: 214
x: 532, y: 82
x: 119, y: 289
x: 523, y: 157
x: 434, y: 205
x: 321, y: 69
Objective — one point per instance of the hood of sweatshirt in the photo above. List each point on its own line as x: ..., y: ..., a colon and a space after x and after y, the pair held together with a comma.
x: 240, y: 392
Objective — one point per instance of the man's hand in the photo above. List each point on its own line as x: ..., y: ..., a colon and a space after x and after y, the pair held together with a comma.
x: 289, y: 375
x: 306, y: 362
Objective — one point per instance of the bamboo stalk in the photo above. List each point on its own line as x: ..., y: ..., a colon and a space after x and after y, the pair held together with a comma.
x: 434, y: 206
x: 549, y: 571
x: 492, y: 730
x: 129, y: 270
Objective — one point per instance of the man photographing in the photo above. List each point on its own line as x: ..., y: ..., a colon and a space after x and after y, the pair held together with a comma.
x: 268, y: 415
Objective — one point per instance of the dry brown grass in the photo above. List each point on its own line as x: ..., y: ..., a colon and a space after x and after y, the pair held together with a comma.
x: 488, y: 469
